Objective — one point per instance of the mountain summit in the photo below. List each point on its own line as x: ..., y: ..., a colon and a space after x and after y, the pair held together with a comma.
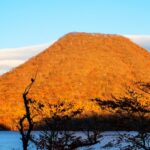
x: 78, y: 67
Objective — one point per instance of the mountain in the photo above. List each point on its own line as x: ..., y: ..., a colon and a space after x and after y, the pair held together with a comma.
x: 76, y: 68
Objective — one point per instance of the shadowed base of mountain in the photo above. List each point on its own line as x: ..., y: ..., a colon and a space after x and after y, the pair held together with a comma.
x: 4, y: 127
x: 101, y: 123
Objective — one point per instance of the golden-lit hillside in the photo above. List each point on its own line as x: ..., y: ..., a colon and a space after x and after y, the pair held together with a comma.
x: 78, y: 67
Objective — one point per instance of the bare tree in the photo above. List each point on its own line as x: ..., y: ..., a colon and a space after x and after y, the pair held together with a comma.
x: 26, y: 123
x: 26, y: 133
x: 92, y: 130
x: 57, y: 134
x: 136, y: 113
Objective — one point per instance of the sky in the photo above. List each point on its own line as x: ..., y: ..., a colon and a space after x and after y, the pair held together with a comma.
x: 27, y: 27
x: 34, y: 22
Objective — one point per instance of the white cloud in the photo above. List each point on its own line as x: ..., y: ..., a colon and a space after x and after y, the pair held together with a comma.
x: 142, y: 40
x: 12, y: 57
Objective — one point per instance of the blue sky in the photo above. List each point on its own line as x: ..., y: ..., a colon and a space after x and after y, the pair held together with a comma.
x: 30, y: 22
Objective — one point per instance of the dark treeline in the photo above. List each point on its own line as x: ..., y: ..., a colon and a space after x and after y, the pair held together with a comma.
x: 107, y: 123
x: 4, y: 127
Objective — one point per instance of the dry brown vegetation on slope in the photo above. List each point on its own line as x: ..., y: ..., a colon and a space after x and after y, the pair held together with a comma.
x: 78, y: 67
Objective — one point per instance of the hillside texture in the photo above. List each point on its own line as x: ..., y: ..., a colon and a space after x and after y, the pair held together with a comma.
x: 76, y: 68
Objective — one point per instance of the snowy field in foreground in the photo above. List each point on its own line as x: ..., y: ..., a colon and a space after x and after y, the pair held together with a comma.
x: 11, y: 141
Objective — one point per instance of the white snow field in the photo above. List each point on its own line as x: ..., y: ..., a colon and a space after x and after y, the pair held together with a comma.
x: 10, y: 140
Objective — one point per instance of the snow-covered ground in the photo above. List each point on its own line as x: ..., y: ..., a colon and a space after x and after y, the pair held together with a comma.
x: 10, y: 140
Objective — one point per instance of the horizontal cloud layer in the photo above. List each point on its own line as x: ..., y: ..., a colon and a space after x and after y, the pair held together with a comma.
x: 142, y: 40
x: 12, y: 57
